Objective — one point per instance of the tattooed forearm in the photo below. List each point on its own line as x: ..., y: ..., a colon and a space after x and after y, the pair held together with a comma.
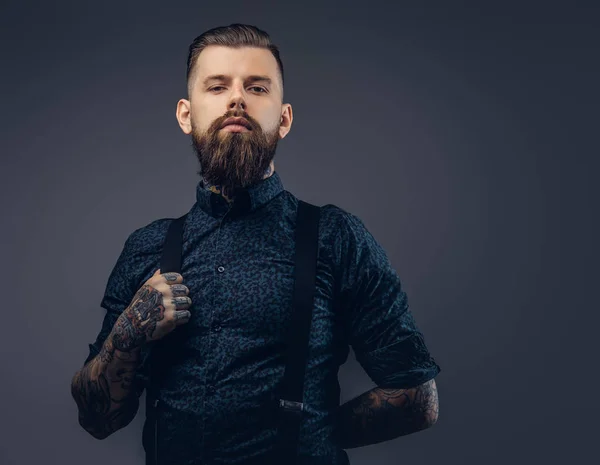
x: 104, y: 388
x: 383, y: 414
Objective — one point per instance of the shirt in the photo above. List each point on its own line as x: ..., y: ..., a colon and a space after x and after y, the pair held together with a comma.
x: 238, y: 263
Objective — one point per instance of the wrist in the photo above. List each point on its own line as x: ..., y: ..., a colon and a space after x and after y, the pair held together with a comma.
x: 127, y: 335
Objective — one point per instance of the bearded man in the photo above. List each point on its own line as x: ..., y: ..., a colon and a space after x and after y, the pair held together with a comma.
x: 230, y: 306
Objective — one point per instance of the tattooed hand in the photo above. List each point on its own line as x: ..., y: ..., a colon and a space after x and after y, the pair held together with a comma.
x: 157, y: 308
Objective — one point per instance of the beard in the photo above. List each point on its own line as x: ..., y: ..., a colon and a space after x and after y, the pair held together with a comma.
x: 234, y: 160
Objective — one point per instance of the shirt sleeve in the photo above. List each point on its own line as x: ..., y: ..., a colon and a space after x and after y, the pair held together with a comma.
x: 380, y: 326
x: 123, y: 283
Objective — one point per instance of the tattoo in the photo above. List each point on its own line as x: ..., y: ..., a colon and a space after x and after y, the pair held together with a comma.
x: 180, y: 302
x: 217, y: 189
x: 103, y: 391
x: 269, y: 171
x: 383, y: 414
x: 178, y: 290
x: 182, y: 316
x: 138, y: 322
x: 170, y: 277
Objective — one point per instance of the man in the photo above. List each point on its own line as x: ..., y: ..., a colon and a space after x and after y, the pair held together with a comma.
x: 232, y: 300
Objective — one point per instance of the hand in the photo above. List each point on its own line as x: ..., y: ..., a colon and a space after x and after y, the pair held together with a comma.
x: 157, y: 308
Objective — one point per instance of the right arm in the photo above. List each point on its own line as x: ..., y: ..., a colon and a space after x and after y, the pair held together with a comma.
x: 104, y: 388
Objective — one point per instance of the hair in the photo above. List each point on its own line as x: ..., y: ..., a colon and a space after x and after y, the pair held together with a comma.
x: 236, y: 36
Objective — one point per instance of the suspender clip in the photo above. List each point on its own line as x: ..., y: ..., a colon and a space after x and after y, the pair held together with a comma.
x: 291, y: 406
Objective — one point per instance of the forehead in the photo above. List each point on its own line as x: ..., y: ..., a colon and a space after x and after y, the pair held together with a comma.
x: 236, y: 62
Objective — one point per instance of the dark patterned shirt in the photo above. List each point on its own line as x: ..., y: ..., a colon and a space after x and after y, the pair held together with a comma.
x: 238, y: 263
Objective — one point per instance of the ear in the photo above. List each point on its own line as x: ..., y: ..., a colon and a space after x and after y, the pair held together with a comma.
x: 184, y: 115
x: 287, y: 117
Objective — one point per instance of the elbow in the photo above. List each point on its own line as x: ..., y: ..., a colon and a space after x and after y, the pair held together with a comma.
x: 92, y: 428
x: 432, y: 420
x: 429, y: 415
x: 429, y: 404
x: 423, y: 408
x: 98, y: 414
x: 97, y: 435
x: 102, y: 426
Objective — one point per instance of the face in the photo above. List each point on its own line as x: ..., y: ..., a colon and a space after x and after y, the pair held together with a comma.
x: 234, y: 83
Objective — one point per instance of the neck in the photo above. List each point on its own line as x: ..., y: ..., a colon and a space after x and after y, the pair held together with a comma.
x: 218, y: 190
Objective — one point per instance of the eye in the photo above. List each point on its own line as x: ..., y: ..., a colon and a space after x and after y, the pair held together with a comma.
x: 261, y: 89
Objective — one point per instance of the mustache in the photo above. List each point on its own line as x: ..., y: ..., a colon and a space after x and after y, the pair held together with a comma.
x: 218, y: 123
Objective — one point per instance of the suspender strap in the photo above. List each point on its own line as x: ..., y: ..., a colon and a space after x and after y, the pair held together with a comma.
x: 170, y: 261
x: 160, y: 353
x: 291, y: 406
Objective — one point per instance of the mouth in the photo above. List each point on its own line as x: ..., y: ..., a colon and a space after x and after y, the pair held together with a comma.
x: 235, y: 128
x: 236, y: 122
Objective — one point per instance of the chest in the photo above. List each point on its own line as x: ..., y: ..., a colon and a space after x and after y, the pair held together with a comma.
x: 243, y: 277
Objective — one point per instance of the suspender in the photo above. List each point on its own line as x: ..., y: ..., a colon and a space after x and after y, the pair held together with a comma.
x: 290, y: 399
x: 290, y: 395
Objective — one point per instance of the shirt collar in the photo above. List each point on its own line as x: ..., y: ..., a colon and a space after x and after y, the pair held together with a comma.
x: 245, y: 200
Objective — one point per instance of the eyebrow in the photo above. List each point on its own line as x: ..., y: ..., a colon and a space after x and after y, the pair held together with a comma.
x: 223, y: 77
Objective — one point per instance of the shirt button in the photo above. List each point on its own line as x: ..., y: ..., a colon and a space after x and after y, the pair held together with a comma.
x: 216, y: 327
x: 210, y: 389
x: 221, y: 269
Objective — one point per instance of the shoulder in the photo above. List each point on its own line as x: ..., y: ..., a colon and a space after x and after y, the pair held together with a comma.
x: 345, y: 228
x: 140, y: 255
x: 148, y: 239
x: 340, y: 220
x: 346, y: 241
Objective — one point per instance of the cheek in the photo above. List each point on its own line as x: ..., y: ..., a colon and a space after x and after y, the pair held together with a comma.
x: 272, y: 125
x: 199, y: 125
x: 202, y: 118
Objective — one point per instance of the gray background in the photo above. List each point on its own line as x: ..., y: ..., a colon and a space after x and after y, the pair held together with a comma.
x: 464, y: 136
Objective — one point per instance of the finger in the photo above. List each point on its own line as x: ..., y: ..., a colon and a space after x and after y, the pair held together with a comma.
x: 181, y: 302
x: 179, y: 289
x: 182, y: 317
x: 172, y: 278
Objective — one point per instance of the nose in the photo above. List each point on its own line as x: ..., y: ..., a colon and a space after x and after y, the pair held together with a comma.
x: 237, y: 103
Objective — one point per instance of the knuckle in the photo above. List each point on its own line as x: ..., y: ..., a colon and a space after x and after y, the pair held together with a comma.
x: 155, y: 287
x: 153, y: 284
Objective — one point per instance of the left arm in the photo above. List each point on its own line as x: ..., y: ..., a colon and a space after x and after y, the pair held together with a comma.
x: 386, y: 341
x: 382, y: 414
